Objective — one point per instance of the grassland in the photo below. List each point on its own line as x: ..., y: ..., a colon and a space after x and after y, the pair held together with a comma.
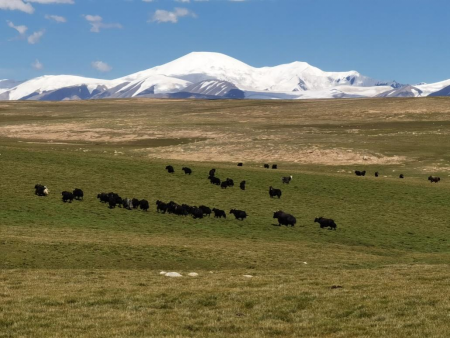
x: 84, y: 270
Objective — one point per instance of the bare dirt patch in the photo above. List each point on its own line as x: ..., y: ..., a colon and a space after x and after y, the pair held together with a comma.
x: 326, y: 132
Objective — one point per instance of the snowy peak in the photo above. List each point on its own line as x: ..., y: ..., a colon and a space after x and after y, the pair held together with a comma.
x: 216, y: 75
x: 215, y: 88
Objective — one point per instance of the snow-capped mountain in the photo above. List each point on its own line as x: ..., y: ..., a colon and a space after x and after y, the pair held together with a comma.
x: 215, y: 75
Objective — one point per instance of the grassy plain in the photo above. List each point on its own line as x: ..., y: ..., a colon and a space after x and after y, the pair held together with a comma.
x: 81, y: 269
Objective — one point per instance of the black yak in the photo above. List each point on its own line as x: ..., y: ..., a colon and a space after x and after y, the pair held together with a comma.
x: 239, y: 214
x: 284, y: 218
x: 275, y: 192
x: 326, y: 222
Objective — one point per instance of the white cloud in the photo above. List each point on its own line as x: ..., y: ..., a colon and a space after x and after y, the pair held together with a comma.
x: 21, y: 29
x: 37, y: 65
x: 46, y: 2
x: 25, y: 6
x: 186, y: 1
x: 101, y: 66
x: 16, y: 5
x: 148, y: 0
x: 56, y: 18
x: 96, y: 22
x: 35, y: 37
x: 161, y: 15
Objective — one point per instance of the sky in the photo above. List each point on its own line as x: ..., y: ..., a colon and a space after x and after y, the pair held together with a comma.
x: 406, y: 41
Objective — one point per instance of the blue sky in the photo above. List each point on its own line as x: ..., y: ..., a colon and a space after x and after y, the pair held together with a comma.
x: 407, y: 41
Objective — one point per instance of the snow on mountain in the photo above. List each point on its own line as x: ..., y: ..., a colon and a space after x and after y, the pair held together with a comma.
x: 46, y: 83
x: 214, y: 75
x: 297, y: 76
x: 430, y: 88
x: 159, y: 83
x: 417, y: 90
x: 216, y: 88
x: 406, y: 91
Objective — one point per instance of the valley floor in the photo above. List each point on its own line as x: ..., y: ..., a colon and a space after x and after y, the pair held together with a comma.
x: 81, y: 269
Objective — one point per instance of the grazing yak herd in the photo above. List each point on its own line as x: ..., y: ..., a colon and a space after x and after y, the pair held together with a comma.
x: 376, y: 174
x: 114, y: 200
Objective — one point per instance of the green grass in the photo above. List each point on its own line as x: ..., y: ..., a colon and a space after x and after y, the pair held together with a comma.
x: 81, y: 269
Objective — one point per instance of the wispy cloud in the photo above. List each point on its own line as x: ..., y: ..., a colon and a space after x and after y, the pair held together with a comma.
x: 16, y: 5
x: 56, y: 18
x: 185, y: 1
x: 96, y: 22
x: 36, y: 37
x: 25, y: 6
x: 21, y: 29
x: 37, y: 65
x: 101, y: 66
x: 161, y: 15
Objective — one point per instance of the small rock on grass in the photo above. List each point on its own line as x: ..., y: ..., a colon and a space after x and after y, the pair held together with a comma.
x: 172, y: 274
x: 193, y: 274
x: 248, y: 276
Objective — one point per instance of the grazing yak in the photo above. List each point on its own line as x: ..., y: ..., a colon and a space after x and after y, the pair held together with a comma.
x: 144, y: 205
x: 196, y: 212
x: 274, y: 166
x: 103, y: 197
x: 205, y: 210
x: 224, y: 185
x: 274, y: 192
x: 187, y: 171
x: 174, y: 208
x: 170, y: 169
x: 360, y: 173
x: 326, y: 222
x: 434, y: 179
x: 243, y: 185
x: 266, y: 166
x: 41, y: 190
x: 215, y: 180
x: 230, y: 182
x: 287, y: 179
x: 284, y: 218
x: 219, y: 213
x: 401, y: 176
x: 161, y: 206
x: 127, y: 203
x: 78, y: 194
x: 239, y: 214
x: 111, y: 198
x: 135, y: 202
x: 376, y: 174
x: 111, y: 202
x: 240, y: 164
x: 212, y: 172
x: 67, y: 196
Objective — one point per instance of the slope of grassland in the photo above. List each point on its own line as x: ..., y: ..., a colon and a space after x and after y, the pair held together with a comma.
x: 81, y: 269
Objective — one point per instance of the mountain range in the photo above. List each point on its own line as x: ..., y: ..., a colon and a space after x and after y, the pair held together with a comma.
x: 207, y: 75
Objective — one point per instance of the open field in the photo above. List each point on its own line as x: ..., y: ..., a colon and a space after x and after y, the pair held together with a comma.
x: 84, y: 270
